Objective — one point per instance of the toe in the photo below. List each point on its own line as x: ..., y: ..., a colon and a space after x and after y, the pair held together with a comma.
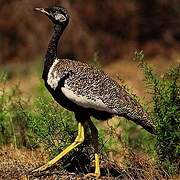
x: 94, y: 175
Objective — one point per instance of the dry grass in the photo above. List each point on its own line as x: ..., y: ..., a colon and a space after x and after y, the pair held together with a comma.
x: 18, y: 163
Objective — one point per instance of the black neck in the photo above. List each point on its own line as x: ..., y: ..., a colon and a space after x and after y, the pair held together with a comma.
x: 51, y: 53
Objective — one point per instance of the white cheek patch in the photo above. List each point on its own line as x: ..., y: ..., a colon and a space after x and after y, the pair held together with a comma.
x: 60, y: 17
x: 53, y: 76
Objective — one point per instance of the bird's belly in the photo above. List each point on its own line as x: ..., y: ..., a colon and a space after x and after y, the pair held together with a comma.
x: 61, y: 99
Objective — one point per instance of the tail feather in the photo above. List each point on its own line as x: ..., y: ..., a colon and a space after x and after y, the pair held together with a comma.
x: 146, y: 123
x: 135, y: 112
x: 140, y: 117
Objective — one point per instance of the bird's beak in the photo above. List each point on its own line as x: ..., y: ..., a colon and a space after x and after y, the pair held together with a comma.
x: 42, y: 10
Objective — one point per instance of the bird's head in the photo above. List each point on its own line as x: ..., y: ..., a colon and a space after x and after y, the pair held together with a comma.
x: 57, y: 14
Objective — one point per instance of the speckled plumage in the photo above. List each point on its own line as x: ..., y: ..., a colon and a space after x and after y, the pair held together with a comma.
x: 92, y: 83
x: 85, y: 89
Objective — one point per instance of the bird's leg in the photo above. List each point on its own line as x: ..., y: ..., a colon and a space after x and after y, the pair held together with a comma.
x: 79, y: 139
x: 94, y: 134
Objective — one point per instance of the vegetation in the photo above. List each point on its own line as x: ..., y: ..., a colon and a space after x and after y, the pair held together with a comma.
x: 40, y: 123
x: 12, y: 121
x: 165, y: 90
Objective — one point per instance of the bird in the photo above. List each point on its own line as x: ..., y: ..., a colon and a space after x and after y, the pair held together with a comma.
x: 85, y: 90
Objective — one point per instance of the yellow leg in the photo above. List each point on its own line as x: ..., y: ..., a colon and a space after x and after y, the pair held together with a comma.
x: 97, y: 167
x: 79, y: 139
x: 94, y: 134
x: 97, y: 172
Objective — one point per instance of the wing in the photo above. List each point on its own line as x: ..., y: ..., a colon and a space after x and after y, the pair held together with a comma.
x: 86, y: 102
x: 90, y: 87
x: 83, y: 84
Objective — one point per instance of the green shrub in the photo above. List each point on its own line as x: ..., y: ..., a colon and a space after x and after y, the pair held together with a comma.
x: 12, y: 122
x: 51, y: 125
x: 165, y: 91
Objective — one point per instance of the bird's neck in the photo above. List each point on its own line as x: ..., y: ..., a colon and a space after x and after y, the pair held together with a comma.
x: 51, y: 53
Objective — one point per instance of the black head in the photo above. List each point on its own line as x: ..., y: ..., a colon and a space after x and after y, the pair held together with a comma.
x: 57, y: 14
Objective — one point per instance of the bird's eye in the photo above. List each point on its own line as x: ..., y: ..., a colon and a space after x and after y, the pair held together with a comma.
x: 60, y: 17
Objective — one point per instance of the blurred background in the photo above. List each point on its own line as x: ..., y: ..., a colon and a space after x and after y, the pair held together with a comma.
x: 112, y: 29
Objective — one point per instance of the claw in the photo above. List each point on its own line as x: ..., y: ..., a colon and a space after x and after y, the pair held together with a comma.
x: 42, y: 168
x: 94, y: 175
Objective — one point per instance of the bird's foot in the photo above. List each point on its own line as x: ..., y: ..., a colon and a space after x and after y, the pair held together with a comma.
x: 93, y: 175
x: 40, y: 169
